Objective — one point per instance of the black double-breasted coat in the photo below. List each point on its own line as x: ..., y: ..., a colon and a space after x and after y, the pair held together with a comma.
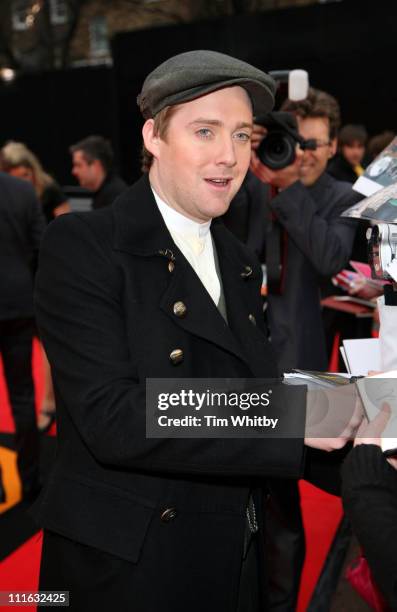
x: 104, y: 298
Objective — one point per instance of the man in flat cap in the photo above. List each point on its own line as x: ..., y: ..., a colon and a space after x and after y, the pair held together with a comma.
x: 154, y: 286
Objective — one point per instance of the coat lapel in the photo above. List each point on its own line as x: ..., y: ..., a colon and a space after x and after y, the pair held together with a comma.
x: 241, y: 285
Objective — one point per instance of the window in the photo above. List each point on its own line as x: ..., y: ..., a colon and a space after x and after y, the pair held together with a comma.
x: 99, y: 43
x: 58, y: 12
x: 23, y: 14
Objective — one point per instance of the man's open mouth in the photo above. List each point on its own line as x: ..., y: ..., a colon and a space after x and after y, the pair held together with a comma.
x: 219, y: 182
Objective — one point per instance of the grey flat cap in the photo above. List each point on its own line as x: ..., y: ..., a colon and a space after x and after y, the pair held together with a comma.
x: 190, y: 75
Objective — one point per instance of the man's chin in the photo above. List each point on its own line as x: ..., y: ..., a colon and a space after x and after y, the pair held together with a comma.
x: 308, y: 179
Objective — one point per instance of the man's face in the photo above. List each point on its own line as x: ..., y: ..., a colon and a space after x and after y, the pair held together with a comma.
x: 85, y: 172
x: 202, y: 162
x: 353, y: 153
x: 314, y: 163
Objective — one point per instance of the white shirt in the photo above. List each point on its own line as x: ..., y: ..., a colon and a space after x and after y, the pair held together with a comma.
x: 194, y: 240
x: 387, y: 335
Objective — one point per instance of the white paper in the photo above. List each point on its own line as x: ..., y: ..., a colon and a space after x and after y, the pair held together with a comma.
x: 375, y: 391
x: 343, y: 353
x: 366, y: 186
x: 362, y: 355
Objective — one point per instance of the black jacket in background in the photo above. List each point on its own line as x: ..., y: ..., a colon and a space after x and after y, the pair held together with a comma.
x: 340, y: 169
x: 318, y: 244
x: 21, y: 228
x: 111, y: 188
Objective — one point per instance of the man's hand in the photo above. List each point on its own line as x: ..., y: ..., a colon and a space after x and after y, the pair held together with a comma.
x: 258, y: 134
x: 326, y: 444
x: 278, y: 178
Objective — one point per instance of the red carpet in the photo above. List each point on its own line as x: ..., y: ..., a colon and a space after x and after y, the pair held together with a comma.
x: 321, y: 514
x: 20, y: 571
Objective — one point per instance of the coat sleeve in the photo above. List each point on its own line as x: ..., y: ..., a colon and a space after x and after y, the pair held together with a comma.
x: 327, y: 243
x: 80, y: 315
x: 369, y: 492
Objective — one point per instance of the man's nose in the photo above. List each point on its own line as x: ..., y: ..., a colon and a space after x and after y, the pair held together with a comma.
x: 307, y: 153
x: 227, y: 152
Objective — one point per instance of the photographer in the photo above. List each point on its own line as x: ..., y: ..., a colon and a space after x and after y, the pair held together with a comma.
x: 314, y: 243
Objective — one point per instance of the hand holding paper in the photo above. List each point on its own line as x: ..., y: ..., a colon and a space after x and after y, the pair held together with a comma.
x: 332, y: 417
x: 370, y: 432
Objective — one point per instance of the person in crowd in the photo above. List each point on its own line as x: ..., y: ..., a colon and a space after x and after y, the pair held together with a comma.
x: 155, y: 286
x: 16, y: 159
x: 93, y: 167
x: 377, y: 143
x: 369, y: 477
x: 347, y: 164
x: 21, y: 228
x: 315, y: 241
x: 306, y: 242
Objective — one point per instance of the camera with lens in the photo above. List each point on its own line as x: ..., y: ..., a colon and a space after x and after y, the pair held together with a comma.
x: 277, y: 149
x: 382, y: 249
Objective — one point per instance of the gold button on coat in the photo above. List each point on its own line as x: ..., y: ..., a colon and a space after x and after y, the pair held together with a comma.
x: 176, y: 356
x: 171, y: 266
x: 168, y: 515
x: 179, y: 309
x: 252, y: 319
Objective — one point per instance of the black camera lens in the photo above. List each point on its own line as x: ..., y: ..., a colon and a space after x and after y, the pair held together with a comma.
x: 277, y: 150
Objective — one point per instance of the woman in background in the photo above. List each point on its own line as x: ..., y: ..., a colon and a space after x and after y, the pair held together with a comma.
x: 16, y: 159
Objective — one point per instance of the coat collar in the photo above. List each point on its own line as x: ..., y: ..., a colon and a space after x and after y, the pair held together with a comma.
x: 139, y: 229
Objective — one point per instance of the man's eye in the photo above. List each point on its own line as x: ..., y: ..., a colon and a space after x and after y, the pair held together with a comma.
x: 242, y: 136
x: 204, y: 133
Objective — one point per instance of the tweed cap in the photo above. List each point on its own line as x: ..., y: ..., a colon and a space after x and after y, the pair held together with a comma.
x: 190, y: 75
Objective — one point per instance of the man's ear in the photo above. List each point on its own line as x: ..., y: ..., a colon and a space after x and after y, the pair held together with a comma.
x: 150, y: 140
x: 99, y: 167
x: 333, y: 147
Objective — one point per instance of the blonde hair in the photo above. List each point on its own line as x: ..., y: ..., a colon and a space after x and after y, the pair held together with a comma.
x: 15, y: 154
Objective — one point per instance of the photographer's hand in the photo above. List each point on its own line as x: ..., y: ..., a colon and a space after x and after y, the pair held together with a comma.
x: 258, y: 134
